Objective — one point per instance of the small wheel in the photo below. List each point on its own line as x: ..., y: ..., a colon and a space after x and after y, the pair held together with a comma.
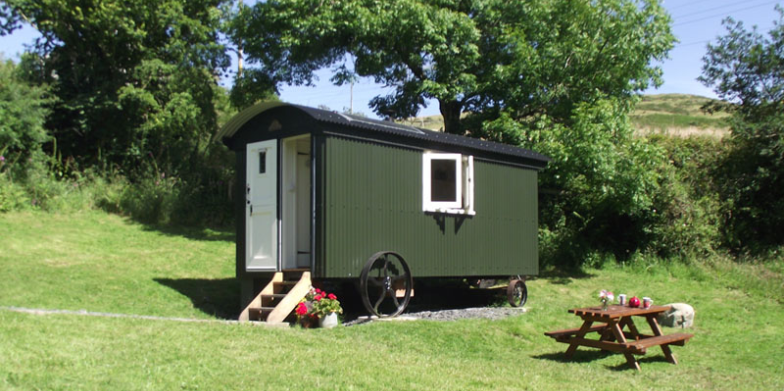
x: 517, y: 293
x: 384, y: 274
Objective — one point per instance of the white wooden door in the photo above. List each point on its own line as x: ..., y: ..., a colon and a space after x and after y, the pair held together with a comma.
x: 261, y: 207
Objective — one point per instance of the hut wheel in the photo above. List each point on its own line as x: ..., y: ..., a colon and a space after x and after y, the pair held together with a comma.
x: 517, y: 293
x: 386, y: 284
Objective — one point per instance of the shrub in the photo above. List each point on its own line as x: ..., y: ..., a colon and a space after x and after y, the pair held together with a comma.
x: 685, y: 219
x: 23, y: 112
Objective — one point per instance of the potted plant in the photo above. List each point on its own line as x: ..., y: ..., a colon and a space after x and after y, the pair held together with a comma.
x: 320, y: 305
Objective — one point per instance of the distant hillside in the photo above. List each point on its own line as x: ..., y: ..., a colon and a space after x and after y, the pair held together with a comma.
x: 674, y: 114
x: 432, y: 122
x: 677, y: 114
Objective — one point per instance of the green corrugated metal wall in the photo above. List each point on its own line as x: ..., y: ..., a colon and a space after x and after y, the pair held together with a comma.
x: 373, y: 202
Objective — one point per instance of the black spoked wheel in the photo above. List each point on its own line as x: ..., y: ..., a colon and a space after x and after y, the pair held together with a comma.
x: 517, y: 293
x: 386, y: 284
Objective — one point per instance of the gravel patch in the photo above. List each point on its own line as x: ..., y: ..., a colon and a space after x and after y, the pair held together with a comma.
x: 492, y: 313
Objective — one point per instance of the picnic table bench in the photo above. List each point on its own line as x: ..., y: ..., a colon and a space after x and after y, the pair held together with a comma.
x: 618, y: 333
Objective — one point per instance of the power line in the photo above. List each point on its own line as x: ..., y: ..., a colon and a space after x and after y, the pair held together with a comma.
x: 680, y: 45
x: 689, y: 4
x: 700, y: 12
x: 723, y: 14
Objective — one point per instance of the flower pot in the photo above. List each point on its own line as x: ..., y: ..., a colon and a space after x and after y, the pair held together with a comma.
x: 329, y: 321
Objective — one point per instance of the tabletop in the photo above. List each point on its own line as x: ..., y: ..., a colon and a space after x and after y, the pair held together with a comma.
x: 618, y: 311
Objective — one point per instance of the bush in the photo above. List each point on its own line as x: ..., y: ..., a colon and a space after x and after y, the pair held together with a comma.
x: 41, y: 182
x: 752, y: 183
x: 12, y: 195
x: 598, y: 190
x: 23, y: 112
x: 686, y: 218
x: 678, y: 216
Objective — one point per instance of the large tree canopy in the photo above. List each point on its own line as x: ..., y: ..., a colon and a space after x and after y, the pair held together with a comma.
x: 557, y: 76
x: 746, y: 69
x: 521, y: 58
x: 134, y: 80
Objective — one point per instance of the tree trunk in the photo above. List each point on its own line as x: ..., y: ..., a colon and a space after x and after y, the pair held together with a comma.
x: 451, y: 112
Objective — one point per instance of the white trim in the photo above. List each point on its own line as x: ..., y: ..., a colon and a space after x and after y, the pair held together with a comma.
x: 468, y: 166
x: 464, y: 184
x: 289, y: 193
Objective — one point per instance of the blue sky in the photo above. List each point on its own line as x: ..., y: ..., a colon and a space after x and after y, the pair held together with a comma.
x: 695, y: 24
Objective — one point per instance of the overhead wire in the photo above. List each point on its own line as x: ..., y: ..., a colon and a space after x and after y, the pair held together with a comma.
x: 689, y: 4
x: 714, y: 9
x: 724, y: 13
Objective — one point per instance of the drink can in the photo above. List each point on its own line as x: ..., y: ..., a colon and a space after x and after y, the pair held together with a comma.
x: 622, y: 299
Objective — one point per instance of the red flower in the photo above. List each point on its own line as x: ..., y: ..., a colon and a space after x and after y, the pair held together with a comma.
x: 302, y: 309
x: 332, y: 296
x: 318, y: 290
x: 317, y: 298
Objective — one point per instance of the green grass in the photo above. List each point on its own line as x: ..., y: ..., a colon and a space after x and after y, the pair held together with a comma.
x: 101, y: 262
x: 677, y: 113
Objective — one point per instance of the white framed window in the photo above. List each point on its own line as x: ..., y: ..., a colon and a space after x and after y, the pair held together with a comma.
x: 448, y: 183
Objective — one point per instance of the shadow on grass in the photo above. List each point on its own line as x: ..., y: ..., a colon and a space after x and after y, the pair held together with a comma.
x: 583, y: 356
x: 562, y: 276
x: 579, y: 356
x: 641, y: 360
x: 215, y: 297
x: 208, y: 234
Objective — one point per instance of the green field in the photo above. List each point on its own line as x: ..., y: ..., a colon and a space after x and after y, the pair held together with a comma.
x: 672, y: 114
x: 678, y: 114
x: 99, y: 262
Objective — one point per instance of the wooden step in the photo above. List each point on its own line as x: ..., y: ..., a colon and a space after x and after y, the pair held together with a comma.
x: 284, y: 302
x: 258, y: 313
x: 571, y: 332
x: 679, y: 339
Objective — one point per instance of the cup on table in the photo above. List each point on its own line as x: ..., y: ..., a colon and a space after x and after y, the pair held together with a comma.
x: 622, y: 299
x: 646, y: 302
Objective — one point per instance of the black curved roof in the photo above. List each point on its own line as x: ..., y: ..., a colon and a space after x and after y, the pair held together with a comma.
x: 386, y: 128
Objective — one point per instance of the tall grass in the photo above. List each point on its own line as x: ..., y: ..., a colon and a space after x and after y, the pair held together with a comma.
x: 48, y: 183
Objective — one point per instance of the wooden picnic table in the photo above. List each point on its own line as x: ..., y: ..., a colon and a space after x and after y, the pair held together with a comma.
x: 612, y: 337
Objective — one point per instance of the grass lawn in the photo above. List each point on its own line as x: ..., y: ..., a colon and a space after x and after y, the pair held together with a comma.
x: 675, y: 112
x: 101, y: 262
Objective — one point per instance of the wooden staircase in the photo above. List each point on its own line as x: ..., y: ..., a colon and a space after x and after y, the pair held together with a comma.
x: 279, y: 298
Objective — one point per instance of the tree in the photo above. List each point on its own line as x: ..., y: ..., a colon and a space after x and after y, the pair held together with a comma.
x: 519, y: 58
x: 135, y: 80
x: 746, y: 70
x: 23, y: 112
x: 556, y: 76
